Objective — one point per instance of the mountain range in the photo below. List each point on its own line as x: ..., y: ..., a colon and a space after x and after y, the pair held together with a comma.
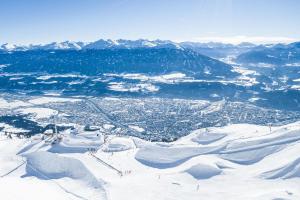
x: 99, y: 44
x: 245, y: 52
x: 278, y: 54
x: 124, y: 44
x: 99, y: 61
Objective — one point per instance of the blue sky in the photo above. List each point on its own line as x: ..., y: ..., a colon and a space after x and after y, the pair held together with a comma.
x: 42, y: 21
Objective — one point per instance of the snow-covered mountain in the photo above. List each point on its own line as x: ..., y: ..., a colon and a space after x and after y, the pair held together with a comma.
x: 246, y: 52
x: 131, y: 44
x: 276, y: 55
x: 67, y: 45
x: 218, y: 50
x: 124, y: 44
x: 99, y: 61
x: 14, y: 47
x: 100, y: 44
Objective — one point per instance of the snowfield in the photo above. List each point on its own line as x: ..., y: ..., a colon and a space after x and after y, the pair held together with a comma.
x: 13, y: 104
x: 39, y: 113
x: 45, y: 100
x: 71, y: 174
x: 238, y: 161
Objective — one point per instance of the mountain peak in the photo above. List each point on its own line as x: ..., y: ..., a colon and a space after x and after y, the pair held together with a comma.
x: 129, y: 44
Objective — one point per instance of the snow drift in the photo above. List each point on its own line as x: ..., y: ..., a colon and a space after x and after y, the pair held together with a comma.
x: 291, y: 170
x: 166, y: 157
x: 203, y: 171
x: 207, y: 137
x: 50, y: 166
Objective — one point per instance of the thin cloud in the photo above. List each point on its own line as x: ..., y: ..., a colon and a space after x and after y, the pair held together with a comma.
x: 240, y: 39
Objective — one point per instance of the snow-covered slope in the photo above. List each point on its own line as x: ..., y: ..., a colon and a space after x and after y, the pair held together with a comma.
x: 131, y: 44
x: 239, y: 161
x: 99, y: 44
x: 70, y: 174
x: 276, y: 55
x: 13, y: 47
x: 66, y: 45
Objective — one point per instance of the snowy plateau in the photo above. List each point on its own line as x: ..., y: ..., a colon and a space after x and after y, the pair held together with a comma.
x: 239, y: 161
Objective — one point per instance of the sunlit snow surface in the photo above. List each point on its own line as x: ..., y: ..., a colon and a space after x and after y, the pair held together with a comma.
x: 238, y: 161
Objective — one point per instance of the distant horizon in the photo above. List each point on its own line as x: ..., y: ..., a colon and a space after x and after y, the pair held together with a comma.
x: 204, y: 40
x: 227, y: 21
